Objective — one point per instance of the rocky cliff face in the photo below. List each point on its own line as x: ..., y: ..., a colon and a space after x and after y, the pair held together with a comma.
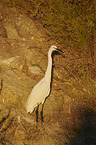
x: 23, y: 62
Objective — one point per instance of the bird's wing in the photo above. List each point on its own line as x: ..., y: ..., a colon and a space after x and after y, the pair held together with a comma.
x: 38, y: 95
x: 39, y: 91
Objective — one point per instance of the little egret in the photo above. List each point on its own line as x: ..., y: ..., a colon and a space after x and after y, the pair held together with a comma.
x: 42, y: 89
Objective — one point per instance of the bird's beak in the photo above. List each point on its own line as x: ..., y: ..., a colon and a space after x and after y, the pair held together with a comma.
x: 61, y: 52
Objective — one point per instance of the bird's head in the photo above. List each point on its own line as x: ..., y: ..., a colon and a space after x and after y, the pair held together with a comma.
x: 54, y: 48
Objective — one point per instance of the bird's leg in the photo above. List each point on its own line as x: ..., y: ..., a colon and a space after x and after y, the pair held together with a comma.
x: 42, y: 113
x: 37, y: 113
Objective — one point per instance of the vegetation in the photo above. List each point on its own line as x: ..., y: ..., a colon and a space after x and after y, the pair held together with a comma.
x: 70, y: 22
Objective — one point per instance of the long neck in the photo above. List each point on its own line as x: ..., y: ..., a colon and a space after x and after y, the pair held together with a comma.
x: 49, y: 68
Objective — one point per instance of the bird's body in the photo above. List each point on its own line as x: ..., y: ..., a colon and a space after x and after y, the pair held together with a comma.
x: 42, y: 89
x: 35, y: 98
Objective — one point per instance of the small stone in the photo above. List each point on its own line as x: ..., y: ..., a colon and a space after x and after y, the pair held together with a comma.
x: 35, y: 69
x: 11, y: 31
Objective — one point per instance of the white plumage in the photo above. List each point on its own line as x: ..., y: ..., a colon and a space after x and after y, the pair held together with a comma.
x: 38, y: 95
x: 42, y: 89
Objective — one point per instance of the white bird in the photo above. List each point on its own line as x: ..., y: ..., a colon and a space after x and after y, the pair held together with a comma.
x: 42, y: 89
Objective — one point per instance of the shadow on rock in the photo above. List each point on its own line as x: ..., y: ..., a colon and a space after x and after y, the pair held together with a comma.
x: 88, y: 135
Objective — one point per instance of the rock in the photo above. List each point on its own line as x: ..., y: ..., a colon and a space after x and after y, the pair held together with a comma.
x: 6, y: 61
x: 16, y: 88
x: 26, y: 27
x: 3, y: 32
x: 11, y: 31
x: 16, y: 62
x: 35, y: 69
x: 20, y: 132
